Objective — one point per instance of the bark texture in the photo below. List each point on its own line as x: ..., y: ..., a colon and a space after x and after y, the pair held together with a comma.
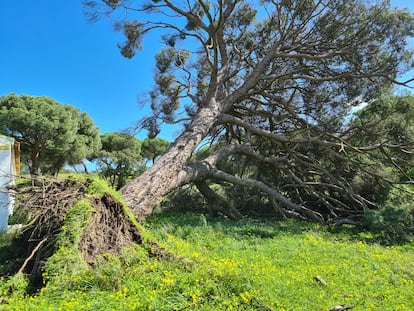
x: 145, y: 192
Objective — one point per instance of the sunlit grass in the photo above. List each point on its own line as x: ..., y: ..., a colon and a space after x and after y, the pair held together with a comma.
x: 225, y: 265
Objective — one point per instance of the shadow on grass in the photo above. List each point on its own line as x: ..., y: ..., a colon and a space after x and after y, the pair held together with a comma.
x: 243, y: 229
x: 12, y: 253
x: 188, y: 223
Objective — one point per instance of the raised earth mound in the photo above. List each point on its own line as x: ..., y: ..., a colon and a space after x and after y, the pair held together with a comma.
x: 81, y: 217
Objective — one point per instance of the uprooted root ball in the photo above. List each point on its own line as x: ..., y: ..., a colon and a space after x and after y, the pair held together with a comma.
x: 107, y: 230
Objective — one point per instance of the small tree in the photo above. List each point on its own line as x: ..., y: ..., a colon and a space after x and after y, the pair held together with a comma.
x: 51, y: 134
x: 153, y: 147
x: 86, y: 142
x: 388, y: 121
x: 120, y: 158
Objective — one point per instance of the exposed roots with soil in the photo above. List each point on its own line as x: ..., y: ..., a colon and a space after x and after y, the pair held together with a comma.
x: 108, y: 230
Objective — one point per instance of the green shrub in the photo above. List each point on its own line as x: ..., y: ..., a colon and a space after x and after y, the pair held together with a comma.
x: 20, y: 216
x: 14, y: 287
x: 186, y: 199
x: 394, y: 221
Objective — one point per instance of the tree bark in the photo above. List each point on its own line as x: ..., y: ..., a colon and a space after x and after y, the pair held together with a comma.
x: 216, y: 204
x: 145, y: 192
x: 34, y: 167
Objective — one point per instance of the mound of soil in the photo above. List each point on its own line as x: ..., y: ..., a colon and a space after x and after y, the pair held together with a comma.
x: 108, y: 231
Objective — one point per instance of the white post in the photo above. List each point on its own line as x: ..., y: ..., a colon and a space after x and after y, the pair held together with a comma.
x: 6, y: 179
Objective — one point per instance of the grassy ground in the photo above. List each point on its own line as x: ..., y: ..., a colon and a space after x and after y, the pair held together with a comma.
x: 226, y: 265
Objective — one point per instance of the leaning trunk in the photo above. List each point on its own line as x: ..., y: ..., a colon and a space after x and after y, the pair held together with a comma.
x: 145, y: 192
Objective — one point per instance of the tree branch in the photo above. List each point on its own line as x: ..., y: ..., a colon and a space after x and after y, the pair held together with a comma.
x: 218, y: 174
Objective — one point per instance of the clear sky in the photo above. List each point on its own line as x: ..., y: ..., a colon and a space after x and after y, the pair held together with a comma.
x: 48, y: 48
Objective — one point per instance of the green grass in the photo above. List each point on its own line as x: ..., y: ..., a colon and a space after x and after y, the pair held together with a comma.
x: 226, y: 265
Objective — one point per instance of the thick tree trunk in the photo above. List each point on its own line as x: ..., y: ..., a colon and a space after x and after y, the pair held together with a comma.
x: 145, y: 192
x: 85, y: 168
x: 34, y: 165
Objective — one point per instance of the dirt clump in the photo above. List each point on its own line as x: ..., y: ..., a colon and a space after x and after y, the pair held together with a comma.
x: 109, y: 230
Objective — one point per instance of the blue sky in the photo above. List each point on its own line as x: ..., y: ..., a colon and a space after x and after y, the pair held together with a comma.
x: 48, y: 48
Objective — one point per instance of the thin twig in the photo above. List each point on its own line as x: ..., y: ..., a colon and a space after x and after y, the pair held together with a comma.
x: 34, y: 251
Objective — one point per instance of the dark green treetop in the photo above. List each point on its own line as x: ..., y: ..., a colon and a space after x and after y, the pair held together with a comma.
x: 120, y: 158
x: 51, y: 134
x: 154, y: 147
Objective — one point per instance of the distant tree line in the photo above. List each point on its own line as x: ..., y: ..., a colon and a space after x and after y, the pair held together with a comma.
x: 53, y: 135
x: 123, y: 157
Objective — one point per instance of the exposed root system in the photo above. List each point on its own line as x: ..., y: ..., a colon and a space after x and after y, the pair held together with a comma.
x: 108, y: 231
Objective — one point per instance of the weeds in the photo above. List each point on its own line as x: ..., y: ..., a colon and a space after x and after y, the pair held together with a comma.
x: 237, y: 266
